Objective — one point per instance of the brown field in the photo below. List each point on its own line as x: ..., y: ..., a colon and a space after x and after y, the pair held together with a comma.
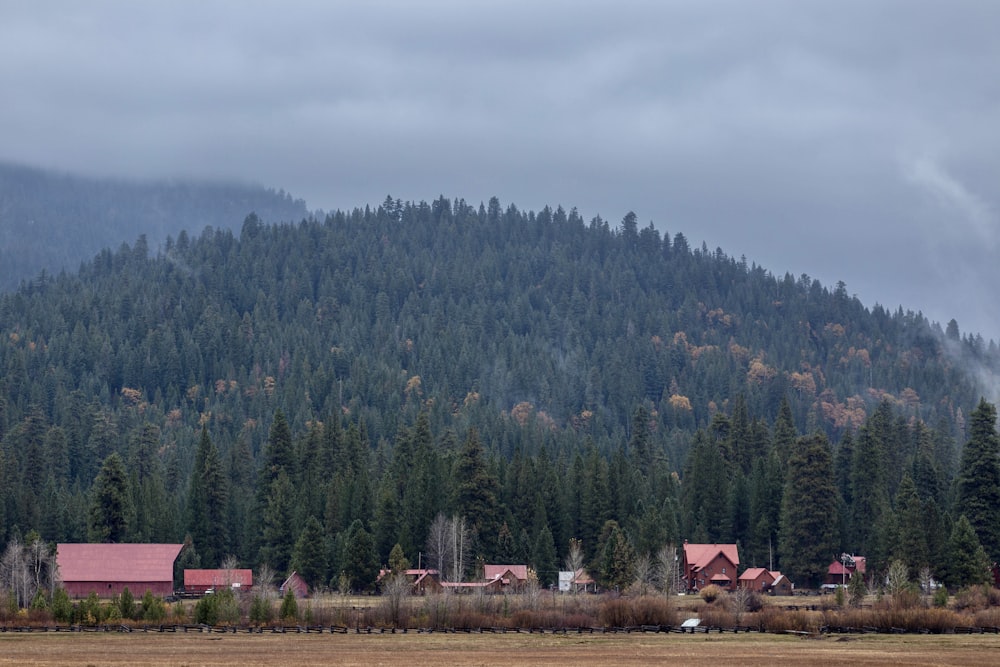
x: 438, y: 650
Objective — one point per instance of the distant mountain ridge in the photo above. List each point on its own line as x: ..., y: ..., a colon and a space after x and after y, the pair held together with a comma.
x: 52, y: 221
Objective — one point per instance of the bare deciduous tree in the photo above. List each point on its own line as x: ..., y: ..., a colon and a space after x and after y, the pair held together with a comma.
x: 27, y: 568
x: 448, y: 544
x: 644, y: 573
x: 439, y: 544
x: 574, y: 562
x: 396, y: 588
x: 667, y: 569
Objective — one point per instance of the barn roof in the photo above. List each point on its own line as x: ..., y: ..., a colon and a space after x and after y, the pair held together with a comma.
x: 117, y: 562
x: 218, y: 577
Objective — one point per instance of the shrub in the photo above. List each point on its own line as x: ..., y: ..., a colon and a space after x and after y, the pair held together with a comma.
x: 153, y: 608
x: 206, y: 611
x: 717, y: 617
x: 711, y: 593
x: 260, y: 610
x: 652, y: 610
x: 774, y: 619
x: 941, y: 597
x: 971, y: 599
x: 616, y: 613
x: 988, y: 618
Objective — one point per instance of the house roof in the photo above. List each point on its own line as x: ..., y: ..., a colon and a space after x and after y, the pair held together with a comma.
x: 698, y: 556
x: 218, y: 577
x: 754, y: 573
x: 837, y: 568
x: 117, y: 562
x: 519, y: 572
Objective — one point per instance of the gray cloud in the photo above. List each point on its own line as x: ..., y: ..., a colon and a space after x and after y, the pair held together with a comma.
x: 852, y: 141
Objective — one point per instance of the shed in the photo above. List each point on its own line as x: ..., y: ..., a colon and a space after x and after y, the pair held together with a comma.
x: 782, y: 586
x: 297, y: 584
x: 107, y: 569
x: 200, y: 582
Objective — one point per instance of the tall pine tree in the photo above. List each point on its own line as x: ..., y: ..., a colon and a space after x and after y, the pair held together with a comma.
x: 979, y: 478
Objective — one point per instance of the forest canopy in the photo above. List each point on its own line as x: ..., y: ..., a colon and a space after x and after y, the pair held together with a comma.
x: 312, y: 394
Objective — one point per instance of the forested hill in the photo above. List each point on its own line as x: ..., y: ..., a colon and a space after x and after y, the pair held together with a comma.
x: 534, y: 372
x: 51, y: 221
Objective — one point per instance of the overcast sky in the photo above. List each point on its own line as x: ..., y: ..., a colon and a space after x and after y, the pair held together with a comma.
x: 849, y: 140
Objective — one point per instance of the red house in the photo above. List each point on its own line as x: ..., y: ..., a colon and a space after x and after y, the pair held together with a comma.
x: 757, y: 579
x: 840, y: 571
x: 512, y: 577
x: 706, y: 564
x: 422, y: 581
x: 107, y: 569
x: 200, y: 582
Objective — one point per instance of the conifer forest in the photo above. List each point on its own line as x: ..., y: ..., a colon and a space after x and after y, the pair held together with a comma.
x: 316, y: 395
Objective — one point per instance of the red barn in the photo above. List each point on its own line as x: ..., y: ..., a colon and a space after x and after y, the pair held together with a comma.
x: 107, y: 569
x: 200, y: 582
x: 296, y: 584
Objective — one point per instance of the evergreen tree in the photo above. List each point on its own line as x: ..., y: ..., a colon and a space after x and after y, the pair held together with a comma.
x: 911, y: 543
x: 543, y: 558
x: 808, y: 512
x: 111, y: 508
x: 310, y: 556
x: 359, y: 562
x: 869, y: 482
x: 278, y: 534
x: 616, y: 557
x: 968, y: 563
x: 208, y: 503
x: 476, y: 493
x: 398, y: 562
x: 979, y: 478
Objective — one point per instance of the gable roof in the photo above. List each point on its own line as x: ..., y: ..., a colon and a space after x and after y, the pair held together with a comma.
x: 755, y: 572
x: 698, y: 556
x: 837, y: 568
x: 218, y: 578
x: 117, y: 562
x: 296, y: 583
x: 519, y: 572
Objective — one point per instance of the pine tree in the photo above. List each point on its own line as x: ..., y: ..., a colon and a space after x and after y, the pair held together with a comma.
x: 358, y: 561
x: 616, y: 557
x: 808, y: 512
x: 869, y: 480
x: 476, y: 493
x: 111, y: 508
x: 279, y: 514
x: 310, y: 556
x: 968, y: 563
x: 208, y: 503
x: 911, y: 544
x: 979, y: 478
x: 543, y: 558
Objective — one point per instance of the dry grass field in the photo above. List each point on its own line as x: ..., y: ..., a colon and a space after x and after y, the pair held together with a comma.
x: 437, y: 650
